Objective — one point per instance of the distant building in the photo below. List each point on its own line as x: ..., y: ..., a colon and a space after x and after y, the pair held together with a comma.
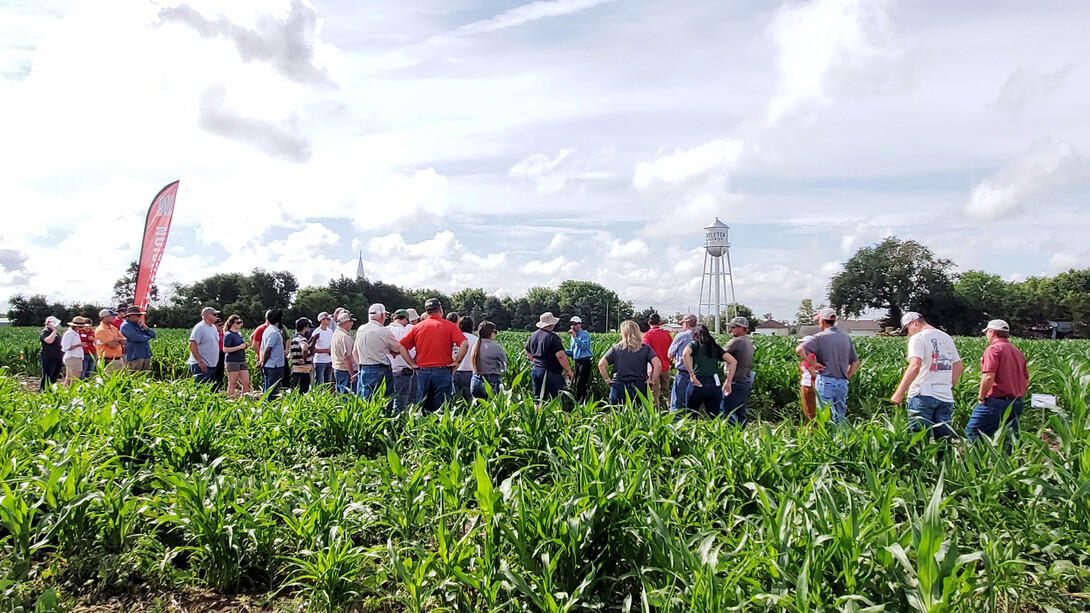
x: 672, y: 328
x: 851, y: 327
x: 771, y: 328
x: 860, y: 327
x: 4, y: 322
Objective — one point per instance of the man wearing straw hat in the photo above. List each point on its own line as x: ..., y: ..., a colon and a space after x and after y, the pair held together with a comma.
x: 550, y: 365
x: 138, y: 336
x: 73, y: 351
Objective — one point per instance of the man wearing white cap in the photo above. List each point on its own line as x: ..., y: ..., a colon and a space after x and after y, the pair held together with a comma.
x: 344, y: 365
x: 836, y: 362
x: 1003, y: 381
x: 375, y: 343
x: 934, y: 366
x: 679, y: 393
x: 545, y: 349
x: 321, y: 344
x: 204, y: 347
x: 579, y: 349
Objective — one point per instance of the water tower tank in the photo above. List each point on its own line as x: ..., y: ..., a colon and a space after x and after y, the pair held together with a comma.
x: 715, y: 238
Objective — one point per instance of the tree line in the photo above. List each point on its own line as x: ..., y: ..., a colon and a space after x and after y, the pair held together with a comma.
x: 903, y: 275
x: 893, y: 276
x: 250, y: 295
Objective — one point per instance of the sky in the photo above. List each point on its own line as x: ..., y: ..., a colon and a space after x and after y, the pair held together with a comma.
x: 507, y: 145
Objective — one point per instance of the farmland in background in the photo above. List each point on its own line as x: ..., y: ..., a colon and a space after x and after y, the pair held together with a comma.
x: 121, y: 486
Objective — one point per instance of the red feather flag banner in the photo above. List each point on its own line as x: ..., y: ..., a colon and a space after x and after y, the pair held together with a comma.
x: 156, y: 229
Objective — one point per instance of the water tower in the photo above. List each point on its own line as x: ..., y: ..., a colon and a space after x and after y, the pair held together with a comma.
x: 717, y: 279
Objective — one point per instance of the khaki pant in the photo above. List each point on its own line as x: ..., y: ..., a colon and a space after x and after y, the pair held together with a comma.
x: 73, y: 368
x: 809, y: 402
x: 140, y: 364
x: 662, y: 390
x: 112, y: 364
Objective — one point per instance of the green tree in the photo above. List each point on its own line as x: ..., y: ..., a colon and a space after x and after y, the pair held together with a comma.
x: 125, y: 287
x: 894, y: 275
x: 592, y: 302
x: 805, y: 315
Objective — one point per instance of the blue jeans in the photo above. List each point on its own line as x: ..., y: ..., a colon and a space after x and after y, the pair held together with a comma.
x: 632, y: 390
x: 547, y: 384
x: 733, y: 407
x: 433, y: 387
x: 323, y: 373
x: 707, y: 395
x: 88, y: 365
x: 930, y: 413
x: 208, y: 376
x: 343, y: 379
x: 404, y: 390
x: 462, y: 380
x: 834, y: 392
x: 679, y: 393
x: 373, y: 379
x: 481, y: 384
x: 988, y: 415
x: 270, y: 381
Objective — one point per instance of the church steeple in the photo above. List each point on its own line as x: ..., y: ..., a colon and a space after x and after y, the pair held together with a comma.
x: 359, y: 268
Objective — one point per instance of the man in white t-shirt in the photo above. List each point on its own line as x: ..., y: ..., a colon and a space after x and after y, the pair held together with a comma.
x: 934, y: 366
x: 321, y: 343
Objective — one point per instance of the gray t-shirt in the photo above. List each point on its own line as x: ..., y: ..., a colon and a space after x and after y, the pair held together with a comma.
x: 272, y: 339
x: 834, y: 350
x: 629, y: 366
x: 491, y: 359
x: 741, y: 347
x: 208, y: 344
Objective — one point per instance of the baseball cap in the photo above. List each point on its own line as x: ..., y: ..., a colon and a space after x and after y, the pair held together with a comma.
x: 910, y: 317
x: 376, y: 309
x: 826, y: 314
x: 52, y: 320
x: 432, y: 304
x: 209, y: 310
x: 345, y: 316
x: 575, y: 319
x: 739, y: 322
x: 398, y: 314
x: 323, y: 315
x: 998, y: 324
x: 106, y: 313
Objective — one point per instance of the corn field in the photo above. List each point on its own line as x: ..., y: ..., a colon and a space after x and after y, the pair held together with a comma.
x: 316, y: 503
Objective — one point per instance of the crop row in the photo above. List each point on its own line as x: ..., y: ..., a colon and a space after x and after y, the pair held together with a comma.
x: 326, y: 504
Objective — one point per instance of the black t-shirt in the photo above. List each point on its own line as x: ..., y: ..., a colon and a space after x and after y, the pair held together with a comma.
x: 543, y: 345
x: 233, y: 339
x: 51, y: 350
x: 629, y: 366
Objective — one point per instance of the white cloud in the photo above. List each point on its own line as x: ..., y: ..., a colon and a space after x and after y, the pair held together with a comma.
x: 1025, y: 84
x: 1046, y: 166
x: 687, y: 166
x: 1060, y: 262
x: 526, y: 13
x: 830, y: 48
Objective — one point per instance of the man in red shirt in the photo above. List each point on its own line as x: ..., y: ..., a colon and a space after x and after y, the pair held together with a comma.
x: 659, y: 340
x: 1003, y: 382
x: 434, y: 339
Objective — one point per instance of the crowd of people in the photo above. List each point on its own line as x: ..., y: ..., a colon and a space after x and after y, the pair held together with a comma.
x: 429, y: 360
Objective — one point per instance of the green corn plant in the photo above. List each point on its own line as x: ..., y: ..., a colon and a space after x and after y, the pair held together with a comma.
x: 942, y: 574
x: 330, y: 577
